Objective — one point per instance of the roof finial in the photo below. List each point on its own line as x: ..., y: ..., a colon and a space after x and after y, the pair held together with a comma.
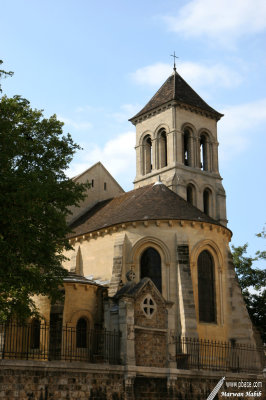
x: 174, y: 60
x: 158, y: 182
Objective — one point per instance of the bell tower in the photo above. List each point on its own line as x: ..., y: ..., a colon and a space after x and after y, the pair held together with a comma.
x: 176, y: 140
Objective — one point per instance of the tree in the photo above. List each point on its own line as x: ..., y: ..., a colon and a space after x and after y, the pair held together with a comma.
x: 4, y: 74
x: 253, y: 284
x: 35, y: 195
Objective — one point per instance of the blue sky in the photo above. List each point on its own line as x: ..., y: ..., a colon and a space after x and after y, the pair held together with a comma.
x: 95, y: 64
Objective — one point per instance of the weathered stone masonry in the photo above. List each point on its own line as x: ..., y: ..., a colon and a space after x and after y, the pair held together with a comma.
x: 33, y: 380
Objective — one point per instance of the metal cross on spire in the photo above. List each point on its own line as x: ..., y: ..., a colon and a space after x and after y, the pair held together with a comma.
x: 174, y: 60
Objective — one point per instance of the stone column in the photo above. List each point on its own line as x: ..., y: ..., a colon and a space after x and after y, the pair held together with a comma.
x: 117, y: 264
x: 179, y: 147
x: 126, y: 327
x: 187, y: 310
x: 156, y: 150
x: 139, y: 161
x: 215, y: 166
x: 129, y: 386
x: 171, y: 386
x: 220, y: 209
x: 153, y: 152
x: 197, y: 152
x: 190, y: 150
x: 206, y: 154
x: 171, y: 336
x: 172, y: 150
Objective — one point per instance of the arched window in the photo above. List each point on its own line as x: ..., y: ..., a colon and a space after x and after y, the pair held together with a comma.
x: 204, y: 153
x: 150, y: 266
x: 206, y: 287
x: 191, y: 194
x: 82, y: 333
x: 162, y: 148
x: 187, y: 148
x: 147, y: 154
x: 35, y: 333
x: 207, y: 201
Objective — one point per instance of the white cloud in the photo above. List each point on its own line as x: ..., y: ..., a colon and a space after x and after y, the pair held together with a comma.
x: 240, y: 126
x: 196, y: 74
x: 223, y: 20
x: 127, y: 111
x: 152, y: 75
x: 79, y: 125
x: 117, y: 155
x: 200, y: 75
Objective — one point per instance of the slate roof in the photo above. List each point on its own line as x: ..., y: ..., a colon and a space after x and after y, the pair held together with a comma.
x: 131, y: 289
x: 176, y: 88
x: 151, y: 202
x: 72, y: 277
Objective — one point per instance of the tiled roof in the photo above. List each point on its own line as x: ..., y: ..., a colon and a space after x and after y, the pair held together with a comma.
x: 151, y: 202
x: 72, y: 277
x: 176, y: 88
x: 132, y: 288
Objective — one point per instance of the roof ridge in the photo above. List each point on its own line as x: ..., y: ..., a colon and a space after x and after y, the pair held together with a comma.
x: 175, y: 88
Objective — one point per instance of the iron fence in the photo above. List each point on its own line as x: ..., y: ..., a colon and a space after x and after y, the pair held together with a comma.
x: 218, y: 356
x: 39, y: 341
x: 44, y: 342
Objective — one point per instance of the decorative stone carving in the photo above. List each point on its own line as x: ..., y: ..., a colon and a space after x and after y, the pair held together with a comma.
x: 148, y: 306
x: 130, y: 275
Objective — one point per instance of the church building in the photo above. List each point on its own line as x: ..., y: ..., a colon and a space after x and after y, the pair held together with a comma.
x: 167, y: 240
x: 154, y: 264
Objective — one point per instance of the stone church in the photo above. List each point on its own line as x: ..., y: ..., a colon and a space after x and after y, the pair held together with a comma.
x: 172, y: 229
x: 154, y: 263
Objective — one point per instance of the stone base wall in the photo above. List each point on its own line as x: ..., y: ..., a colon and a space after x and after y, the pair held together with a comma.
x: 150, y: 348
x: 33, y: 380
x: 56, y: 382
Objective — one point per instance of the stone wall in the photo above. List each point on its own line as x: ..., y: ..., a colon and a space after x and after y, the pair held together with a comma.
x: 151, y: 332
x: 159, y: 318
x: 56, y: 381
x: 33, y: 380
x: 150, y: 348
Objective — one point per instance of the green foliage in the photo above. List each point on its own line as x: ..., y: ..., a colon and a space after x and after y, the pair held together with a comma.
x: 34, y: 198
x: 253, y: 284
x: 261, y: 254
x: 4, y: 74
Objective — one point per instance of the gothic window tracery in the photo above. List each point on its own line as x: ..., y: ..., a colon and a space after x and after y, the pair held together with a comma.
x: 206, y: 288
x: 150, y: 266
x: 148, y: 306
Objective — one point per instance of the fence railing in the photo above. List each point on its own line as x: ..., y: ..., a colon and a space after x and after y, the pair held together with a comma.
x: 38, y: 341
x: 65, y: 343
x: 218, y: 356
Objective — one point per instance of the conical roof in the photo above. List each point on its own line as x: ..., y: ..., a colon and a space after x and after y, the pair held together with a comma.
x: 151, y: 202
x: 175, y: 88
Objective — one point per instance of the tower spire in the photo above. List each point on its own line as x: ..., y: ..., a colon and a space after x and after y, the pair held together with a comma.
x: 174, y: 60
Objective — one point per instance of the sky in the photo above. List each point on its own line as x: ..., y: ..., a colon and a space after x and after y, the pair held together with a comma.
x: 97, y: 63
